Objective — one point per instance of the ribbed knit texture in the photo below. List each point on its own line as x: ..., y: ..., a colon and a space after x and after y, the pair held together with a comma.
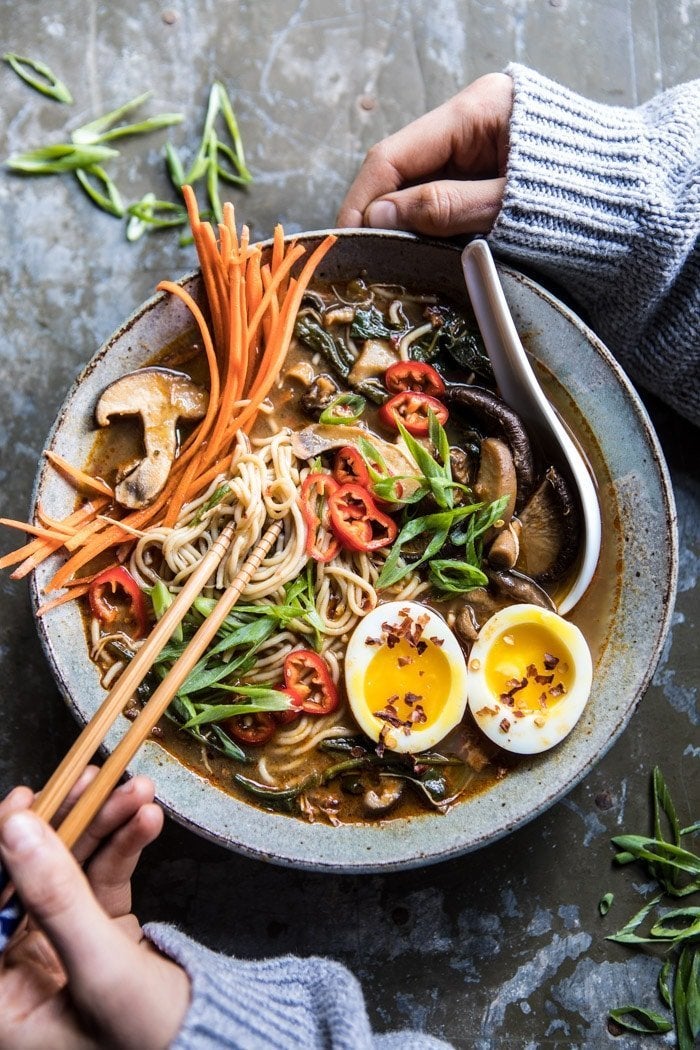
x: 606, y: 202
x: 285, y: 1003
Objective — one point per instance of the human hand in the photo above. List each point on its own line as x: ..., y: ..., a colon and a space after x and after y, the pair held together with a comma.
x: 81, y: 975
x: 443, y: 174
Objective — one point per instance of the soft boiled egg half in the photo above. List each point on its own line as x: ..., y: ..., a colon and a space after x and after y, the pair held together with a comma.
x: 406, y: 677
x: 529, y: 677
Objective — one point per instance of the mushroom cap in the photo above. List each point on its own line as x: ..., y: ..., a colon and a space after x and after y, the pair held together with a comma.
x: 152, y: 391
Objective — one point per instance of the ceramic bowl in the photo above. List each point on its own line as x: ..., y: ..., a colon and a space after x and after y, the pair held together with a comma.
x: 633, y: 590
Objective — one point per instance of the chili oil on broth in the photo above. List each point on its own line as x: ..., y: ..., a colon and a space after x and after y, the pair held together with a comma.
x: 121, y: 442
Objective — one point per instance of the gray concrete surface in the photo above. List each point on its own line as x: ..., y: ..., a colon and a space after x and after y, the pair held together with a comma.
x: 505, y: 947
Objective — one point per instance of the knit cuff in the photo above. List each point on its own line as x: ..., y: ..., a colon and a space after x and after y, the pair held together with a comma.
x: 288, y: 1003
x: 575, y: 183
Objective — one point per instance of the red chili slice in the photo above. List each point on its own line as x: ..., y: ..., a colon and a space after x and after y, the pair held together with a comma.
x: 414, y: 375
x: 349, y: 466
x: 358, y: 522
x: 283, y: 718
x: 315, y: 491
x: 308, y: 676
x: 115, y: 597
x: 253, y: 729
x: 411, y: 408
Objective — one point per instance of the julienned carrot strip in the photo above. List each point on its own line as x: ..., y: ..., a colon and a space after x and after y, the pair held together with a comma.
x: 34, y: 530
x: 214, y: 386
x: 69, y: 596
x: 79, y: 478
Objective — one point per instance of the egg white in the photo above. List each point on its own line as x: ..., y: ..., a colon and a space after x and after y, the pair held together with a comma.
x: 536, y: 730
x: 359, y: 655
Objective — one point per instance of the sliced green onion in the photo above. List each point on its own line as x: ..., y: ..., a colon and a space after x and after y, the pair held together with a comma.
x: 149, y: 213
x: 101, y: 129
x: 198, y: 167
x: 64, y: 156
x: 232, y: 125
x: 111, y: 201
x: 663, y: 985
x: 605, y: 902
x: 174, y: 166
x: 49, y: 84
x: 213, y: 177
x: 637, y: 1019
x: 161, y: 600
x: 344, y: 409
x: 456, y: 577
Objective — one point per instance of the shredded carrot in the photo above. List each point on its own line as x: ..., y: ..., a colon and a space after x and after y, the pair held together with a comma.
x: 246, y: 331
x: 79, y: 478
x: 69, y: 596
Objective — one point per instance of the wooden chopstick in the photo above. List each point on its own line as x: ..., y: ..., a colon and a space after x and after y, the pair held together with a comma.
x: 76, y: 760
x: 98, y: 791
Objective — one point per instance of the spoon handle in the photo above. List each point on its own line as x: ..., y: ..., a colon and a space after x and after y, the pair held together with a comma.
x: 520, y: 389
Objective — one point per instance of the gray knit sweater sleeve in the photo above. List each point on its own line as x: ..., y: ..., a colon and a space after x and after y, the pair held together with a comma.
x: 605, y: 201
x: 287, y: 1003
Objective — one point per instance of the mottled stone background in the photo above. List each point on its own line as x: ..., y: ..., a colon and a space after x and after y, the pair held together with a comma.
x: 505, y: 947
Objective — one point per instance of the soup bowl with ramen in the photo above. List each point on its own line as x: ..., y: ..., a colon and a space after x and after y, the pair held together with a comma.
x: 395, y: 685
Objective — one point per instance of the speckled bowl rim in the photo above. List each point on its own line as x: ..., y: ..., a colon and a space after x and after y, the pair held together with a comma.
x: 636, y: 463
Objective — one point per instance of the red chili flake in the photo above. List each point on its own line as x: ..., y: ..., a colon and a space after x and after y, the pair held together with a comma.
x: 371, y: 641
x: 514, y: 685
x: 423, y: 620
x: 550, y: 662
x: 507, y: 699
x: 557, y: 690
x: 544, y: 679
x: 487, y: 711
x: 418, y: 715
x: 421, y: 647
x: 404, y: 661
x: 531, y: 670
x: 504, y: 725
x: 410, y: 698
x: 437, y: 641
x: 543, y: 700
x: 392, y: 640
x: 519, y: 714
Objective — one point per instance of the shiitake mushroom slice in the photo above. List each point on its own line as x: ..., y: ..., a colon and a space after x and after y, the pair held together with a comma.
x: 550, y: 530
x: 500, y: 420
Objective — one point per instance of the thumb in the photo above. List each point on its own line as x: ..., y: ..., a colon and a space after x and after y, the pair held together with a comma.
x: 57, y: 895
x: 440, y: 208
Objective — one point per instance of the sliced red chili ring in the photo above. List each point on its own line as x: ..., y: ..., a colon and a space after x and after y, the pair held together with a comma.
x: 313, y: 502
x: 411, y: 409
x: 308, y: 676
x: 357, y: 521
x: 283, y: 718
x: 349, y: 466
x: 254, y: 729
x: 115, y: 597
x: 414, y: 375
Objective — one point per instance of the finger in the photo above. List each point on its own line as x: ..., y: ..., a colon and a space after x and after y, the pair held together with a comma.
x: 136, y: 998
x: 109, y: 874
x: 417, y: 151
x: 55, y: 891
x: 19, y: 798
x: 85, y: 778
x: 469, y: 132
x: 439, y: 209
x: 118, y: 810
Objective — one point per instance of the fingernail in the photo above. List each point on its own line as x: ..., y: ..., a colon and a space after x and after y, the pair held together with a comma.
x: 21, y: 832
x: 382, y: 215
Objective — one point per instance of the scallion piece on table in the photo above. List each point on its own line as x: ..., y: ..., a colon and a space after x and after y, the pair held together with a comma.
x: 102, y: 128
x: 63, y: 156
x: 110, y: 201
x: 46, y: 82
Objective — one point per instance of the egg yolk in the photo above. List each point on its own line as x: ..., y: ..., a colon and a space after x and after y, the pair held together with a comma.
x: 413, y: 683
x: 529, y: 668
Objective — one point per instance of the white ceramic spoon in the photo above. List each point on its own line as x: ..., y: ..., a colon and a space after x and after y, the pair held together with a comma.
x: 519, y: 388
